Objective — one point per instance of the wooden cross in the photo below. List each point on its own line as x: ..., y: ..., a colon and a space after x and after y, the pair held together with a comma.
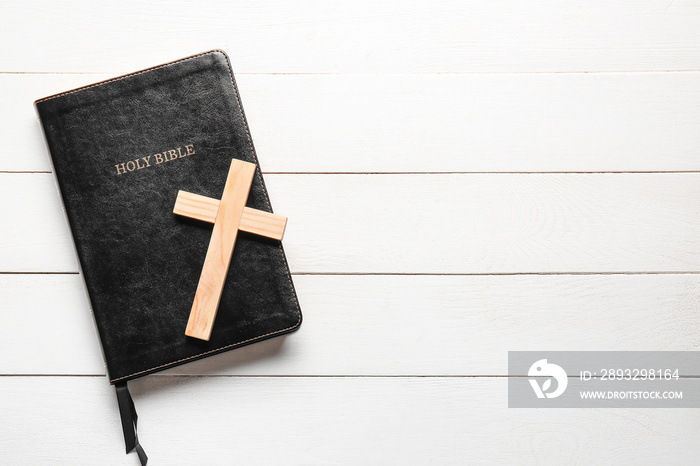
x: 228, y: 216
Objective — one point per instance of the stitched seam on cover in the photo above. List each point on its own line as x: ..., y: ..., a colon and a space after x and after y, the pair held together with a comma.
x: 119, y: 78
x: 205, y: 353
x: 267, y: 200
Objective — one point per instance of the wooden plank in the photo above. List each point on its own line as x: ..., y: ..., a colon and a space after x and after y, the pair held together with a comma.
x: 468, y: 223
x: 218, y: 258
x: 328, y: 421
x: 357, y: 37
x: 53, y: 313
x: 395, y: 325
x: 432, y: 123
x: 21, y: 214
x: 254, y: 221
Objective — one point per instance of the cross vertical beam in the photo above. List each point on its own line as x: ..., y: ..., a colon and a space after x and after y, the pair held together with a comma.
x: 218, y: 258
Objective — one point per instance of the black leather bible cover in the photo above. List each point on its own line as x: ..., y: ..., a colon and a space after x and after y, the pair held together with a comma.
x: 121, y: 150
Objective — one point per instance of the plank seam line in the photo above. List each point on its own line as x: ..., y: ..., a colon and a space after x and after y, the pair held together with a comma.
x: 417, y: 73
x: 311, y: 376
x: 612, y: 172
x: 466, y: 274
x: 428, y: 274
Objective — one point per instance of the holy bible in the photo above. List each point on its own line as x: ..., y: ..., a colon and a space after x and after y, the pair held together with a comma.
x: 122, y: 149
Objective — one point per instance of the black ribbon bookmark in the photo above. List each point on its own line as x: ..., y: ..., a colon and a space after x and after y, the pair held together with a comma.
x: 127, y: 410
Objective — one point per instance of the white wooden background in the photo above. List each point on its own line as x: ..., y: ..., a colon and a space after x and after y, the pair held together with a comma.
x: 462, y: 178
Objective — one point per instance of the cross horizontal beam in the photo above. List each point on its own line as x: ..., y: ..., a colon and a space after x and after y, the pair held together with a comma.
x: 254, y: 221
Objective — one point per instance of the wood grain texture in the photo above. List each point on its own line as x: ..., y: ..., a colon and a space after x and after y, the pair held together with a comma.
x: 395, y: 325
x: 347, y: 421
x: 263, y: 223
x: 469, y: 223
x: 254, y: 221
x: 428, y: 123
x: 198, y: 207
x: 218, y: 258
x: 357, y: 37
